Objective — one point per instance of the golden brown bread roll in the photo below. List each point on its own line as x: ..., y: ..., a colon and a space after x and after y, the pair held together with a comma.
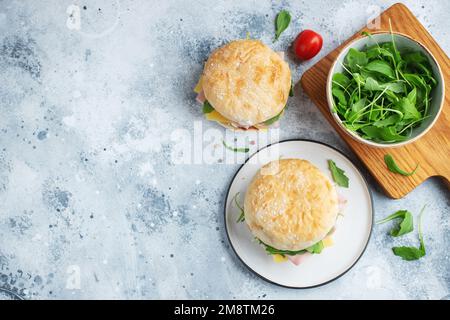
x: 246, y: 82
x: 290, y: 204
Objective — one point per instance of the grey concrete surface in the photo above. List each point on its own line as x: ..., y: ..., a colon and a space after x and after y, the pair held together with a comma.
x: 92, y: 204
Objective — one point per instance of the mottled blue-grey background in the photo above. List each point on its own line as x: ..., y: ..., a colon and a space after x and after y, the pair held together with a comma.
x: 91, y: 203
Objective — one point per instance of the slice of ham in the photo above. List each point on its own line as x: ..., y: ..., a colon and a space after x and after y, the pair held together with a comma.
x: 281, y: 54
x: 201, y: 97
x: 299, y: 258
x: 241, y: 127
x: 342, y: 202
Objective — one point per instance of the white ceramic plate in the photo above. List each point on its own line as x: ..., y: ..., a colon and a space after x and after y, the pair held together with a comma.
x: 352, y: 233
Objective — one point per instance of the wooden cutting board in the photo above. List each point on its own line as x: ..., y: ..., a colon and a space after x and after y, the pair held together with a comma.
x: 432, y: 151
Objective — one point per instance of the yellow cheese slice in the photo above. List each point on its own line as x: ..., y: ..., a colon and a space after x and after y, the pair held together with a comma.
x: 215, y: 116
x: 278, y: 258
x: 328, y: 241
x: 198, y: 88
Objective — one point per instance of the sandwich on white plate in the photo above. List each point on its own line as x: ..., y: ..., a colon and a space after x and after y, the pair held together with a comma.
x: 291, y: 208
x: 244, y: 85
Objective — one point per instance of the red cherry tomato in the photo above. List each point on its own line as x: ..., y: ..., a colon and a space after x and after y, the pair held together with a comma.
x: 307, y: 44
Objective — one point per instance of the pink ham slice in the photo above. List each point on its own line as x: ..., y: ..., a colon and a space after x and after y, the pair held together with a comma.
x: 342, y: 202
x: 299, y: 258
x: 201, y: 97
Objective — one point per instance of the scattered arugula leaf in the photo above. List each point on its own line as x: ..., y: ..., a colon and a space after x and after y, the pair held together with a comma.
x: 338, y: 174
x: 291, y: 90
x: 244, y: 150
x: 281, y: 23
x: 393, y: 167
x: 412, y: 253
x: 241, y: 217
x: 207, y: 107
x: 405, y: 226
x: 409, y: 253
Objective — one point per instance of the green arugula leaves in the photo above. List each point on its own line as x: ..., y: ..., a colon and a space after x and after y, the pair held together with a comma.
x: 207, y: 107
x: 241, y: 217
x: 338, y: 174
x: 291, y: 90
x: 393, y: 167
x: 382, y: 67
x: 244, y: 150
x: 406, y: 223
x: 272, y: 250
x: 406, y: 226
x: 383, y: 94
x: 281, y: 23
x: 314, y: 249
x: 409, y: 253
x: 412, y: 253
x: 356, y: 59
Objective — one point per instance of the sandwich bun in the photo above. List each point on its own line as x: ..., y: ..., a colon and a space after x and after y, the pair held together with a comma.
x: 290, y: 204
x: 246, y: 82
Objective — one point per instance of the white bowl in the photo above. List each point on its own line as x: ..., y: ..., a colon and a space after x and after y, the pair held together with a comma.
x: 403, y: 42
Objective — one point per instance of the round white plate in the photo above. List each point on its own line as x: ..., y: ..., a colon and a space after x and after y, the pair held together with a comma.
x: 352, y: 233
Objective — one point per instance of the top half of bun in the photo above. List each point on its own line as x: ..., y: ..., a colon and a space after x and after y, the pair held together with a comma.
x: 290, y: 204
x: 246, y: 82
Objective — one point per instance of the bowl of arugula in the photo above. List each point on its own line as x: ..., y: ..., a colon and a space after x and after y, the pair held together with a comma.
x: 385, y: 89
